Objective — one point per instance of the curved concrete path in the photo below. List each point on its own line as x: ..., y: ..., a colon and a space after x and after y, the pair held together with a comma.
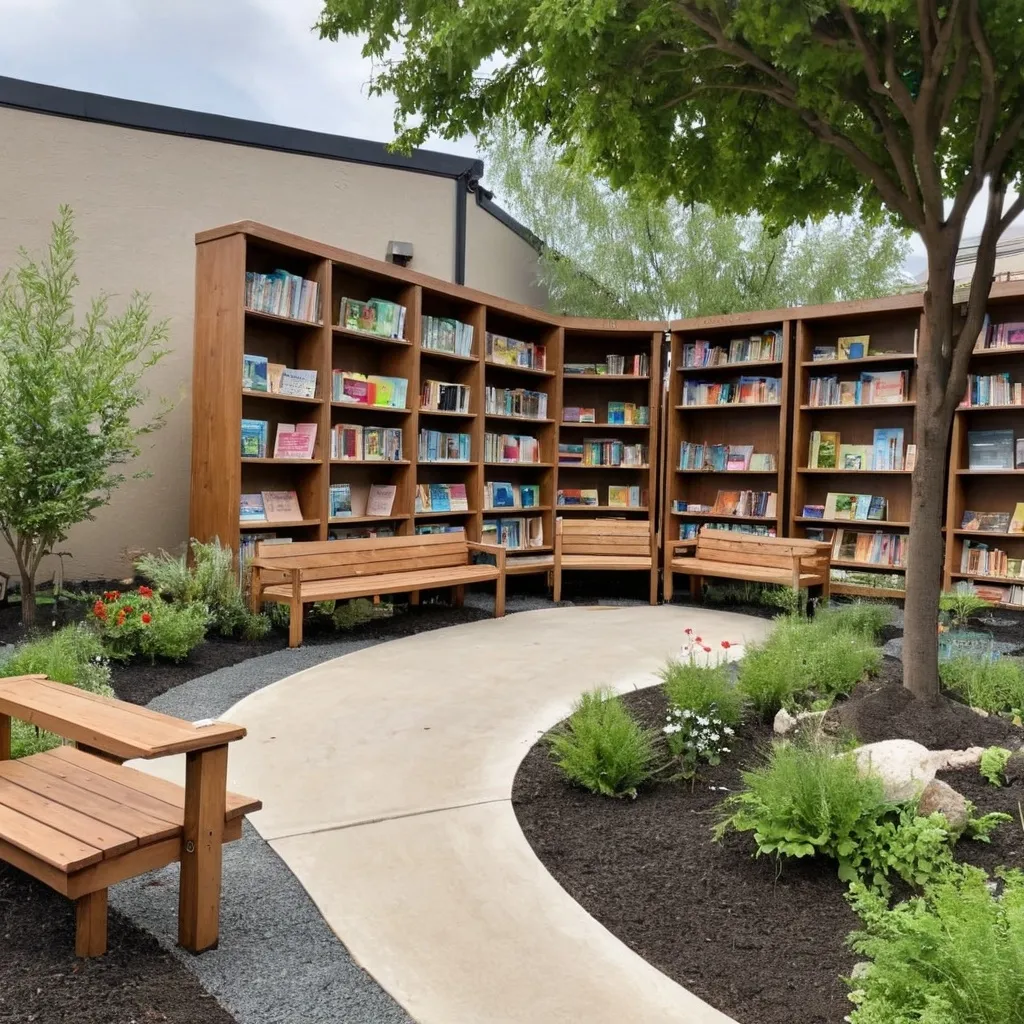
x: 386, y: 778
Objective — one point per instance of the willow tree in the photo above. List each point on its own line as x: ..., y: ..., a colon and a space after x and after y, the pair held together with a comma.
x: 907, y: 109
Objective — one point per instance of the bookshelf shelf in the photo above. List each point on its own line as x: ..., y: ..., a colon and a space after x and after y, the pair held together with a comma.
x: 265, y: 524
x: 805, y: 471
x: 369, y: 336
x: 274, y: 318
x: 717, y: 407
x: 446, y: 462
x: 981, y: 577
x: 990, y: 472
x: 449, y: 413
x: 879, y: 593
x: 605, y: 378
x: 735, y: 368
x: 990, y: 408
x: 1008, y: 352
x: 389, y: 410
x: 252, y: 460
x: 873, y: 566
x: 605, y: 426
x: 272, y: 397
x: 517, y: 511
x: 370, y: 462
x: 861, y: 407
x: 433, y: 353
x: 724, y: 515
x: 570, y: 468
x: 887, y: 357
x: 522, y: 465
x: 560, y: 509
x: 1005, y: 535
x: 517, y: 419
x: 727, y: 472
x: 528, y: 370
x: 872, y: 523
x: 441, y: 515
x: 344, y: 520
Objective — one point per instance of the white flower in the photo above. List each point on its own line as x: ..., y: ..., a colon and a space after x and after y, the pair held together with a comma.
x: 701, y: 721
x: 714, y: 736
x: 728, y: 731
x: 723, y: 750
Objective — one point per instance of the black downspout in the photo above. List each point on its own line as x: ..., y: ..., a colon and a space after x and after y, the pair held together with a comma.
x: 461, y: 192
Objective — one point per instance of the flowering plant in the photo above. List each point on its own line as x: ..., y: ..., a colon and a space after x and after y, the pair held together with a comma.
x: 692, y: 737
x: 139, y: 622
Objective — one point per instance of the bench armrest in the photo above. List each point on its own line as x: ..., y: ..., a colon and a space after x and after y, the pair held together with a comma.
x: 497, y: 550
x: 683, y: 546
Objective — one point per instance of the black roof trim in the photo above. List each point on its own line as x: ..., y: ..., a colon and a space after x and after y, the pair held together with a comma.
x: 485, y: 200
x: 152, y: 117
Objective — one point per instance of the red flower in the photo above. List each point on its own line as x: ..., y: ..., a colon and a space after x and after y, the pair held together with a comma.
x: 706, y: 648
x: 99, y: 610
x: 147, y: 618
x: 688, y: 632
x: 128, y: 609
x: 698, y: 640
x: 121, y: 617
x: 145, y: 592
x: 726, y: 644
x: 111, y: 595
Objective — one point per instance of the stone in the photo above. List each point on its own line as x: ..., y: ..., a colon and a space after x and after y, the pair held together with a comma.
x: 905, y: 767
x: 946, y: 759
x: 784, y: 722
x: 938, y: 796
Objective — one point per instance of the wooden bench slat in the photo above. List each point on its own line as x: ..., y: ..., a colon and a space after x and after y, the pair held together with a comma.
x: 606, y: 562
x: 57, y: 849
x: 388, y: 583
x: 348, y: 560
x: 273, y: 552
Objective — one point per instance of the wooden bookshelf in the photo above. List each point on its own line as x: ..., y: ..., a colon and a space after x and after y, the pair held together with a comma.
x: 761, y: 424
x: 591, y: 342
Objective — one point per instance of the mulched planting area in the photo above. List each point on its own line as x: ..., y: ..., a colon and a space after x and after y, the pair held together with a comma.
x: 763, y: 942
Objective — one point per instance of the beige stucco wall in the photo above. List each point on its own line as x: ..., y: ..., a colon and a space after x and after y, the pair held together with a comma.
x: 139, y: 198
x: 499, y: 261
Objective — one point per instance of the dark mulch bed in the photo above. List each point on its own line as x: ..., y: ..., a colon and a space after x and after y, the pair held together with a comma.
x: 763, y: 945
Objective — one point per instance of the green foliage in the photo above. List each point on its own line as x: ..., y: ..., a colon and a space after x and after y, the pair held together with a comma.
x: 140, y: 624
x: 993, y: 765
x: 859, y: 618
x: 954, y: 954
x: 602, y: 748
x: 767, y: 595
x: 616, y: 254
x: 702, y: 689
x: 981, y: 829
x: 962, y: 602
x: 210, y: 580
x: 70, y: 392
x: 995, y: 685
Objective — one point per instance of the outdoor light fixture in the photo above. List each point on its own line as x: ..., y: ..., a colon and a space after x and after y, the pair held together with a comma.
x: 399, y: 253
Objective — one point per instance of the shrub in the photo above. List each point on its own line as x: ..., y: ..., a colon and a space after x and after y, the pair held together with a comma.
x: 140, y: 624
x: 995, y: 685
x: 692, y: 687
x: 861, y: 618
x: 993, y: 764
x: 602, y: 747
x: 955, y: 954
x: 210, y: 580
x: 962, y: 602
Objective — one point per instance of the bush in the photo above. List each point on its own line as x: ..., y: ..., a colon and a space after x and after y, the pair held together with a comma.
x: 602, y: 747
x: 692, y: 687
x: 139, y: 624
x: 210, y: 580
x: 860, y: 618
x: 962, y: 602
x: 955, y: 954
x: 995, y: 685
x: 993, y: 764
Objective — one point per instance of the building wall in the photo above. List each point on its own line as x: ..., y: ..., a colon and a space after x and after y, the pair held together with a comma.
x: 139, y: 198
x: 499, y: 261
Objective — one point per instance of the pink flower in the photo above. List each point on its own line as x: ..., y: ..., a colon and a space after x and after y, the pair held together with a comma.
x: 706, y: 648
x: 726, y: 644
x: 688, y: 632
x: 698, y: 640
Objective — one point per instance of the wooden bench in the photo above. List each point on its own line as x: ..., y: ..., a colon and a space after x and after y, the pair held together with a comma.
x: 79, y: 821
x: 610, y: 545
x: 800, y: 564
x: 298, y: 574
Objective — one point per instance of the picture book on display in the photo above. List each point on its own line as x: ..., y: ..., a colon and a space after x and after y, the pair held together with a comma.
x: 369, y: 389
x: 504, y: 351
x: 752, y: 504
x: 1006, y: 335
x: 375, y: 316
x: 252, y: 509
x: 295, y: 441
x: 354, y: 500
x: 518, y: 448
x: 987, y: 522
x: 855, y: 457
x: 620, y: 496
x: 254, y: 439
x: 516, y: 534
x: 442, y: 334
x: 578, y: 414
x: 572, y: 496
x: 441, y: 498
x: 520, y: 402
x: 255, y: 374
x: 854, y: 347
x: 824, y: 450
x: 297, y: 383
x: 356, y: 442
x: 854, y: 506
x: 281, y: 506
x: 283, y: 294
x: 990, y: 449
x: 869, y: 548
x: 498, y: 494
x: 981, y: 560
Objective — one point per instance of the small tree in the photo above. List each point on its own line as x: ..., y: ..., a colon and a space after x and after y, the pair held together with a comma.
x: 68, y: 391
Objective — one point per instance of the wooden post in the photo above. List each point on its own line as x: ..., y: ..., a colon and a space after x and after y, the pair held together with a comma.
x: 556, y: 570
x: 255, y: 588
x: 5, y: 737
x: 654, y: 568
x: 206, y: 780
x: 499, y: 595
x: 414, y: 598
x: 295, y: 611
x: 694, y: 587
x: 91, y: 924
x: 458, y: 596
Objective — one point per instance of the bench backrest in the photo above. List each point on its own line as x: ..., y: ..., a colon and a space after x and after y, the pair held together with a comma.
x: 370, y: 556
x: 624, y: 537
x: 778, y: 552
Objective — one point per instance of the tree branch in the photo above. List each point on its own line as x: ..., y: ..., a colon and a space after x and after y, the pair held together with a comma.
x: 1015, y: 209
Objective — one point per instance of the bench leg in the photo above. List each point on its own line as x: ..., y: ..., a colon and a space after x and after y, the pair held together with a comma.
x: 458, y: 596
x: 654, y: 586
x: 414, y: 598
x: 295, y: 624
x: 206, y: 780
x: 556, y: 586
x: 91, y: 924
x: 667, y: 584
x: 499, y: 597
x: 695, y: 582
x: 5, y: 737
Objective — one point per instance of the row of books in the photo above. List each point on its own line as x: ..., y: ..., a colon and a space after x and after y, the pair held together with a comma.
x: 498, y: 494
x: 994, y: 389
x: 753, y: 504
x: 259, y: 374
x: 848, y: 506
x: 345, y: 500
x: 442, y: 334
x: 995, y: 522
x: 759, y: 348
x: 1012, y: 596
x: 724, y: 458
x: 876, y: 548
x: 516, y: 402
x: 855, y: 347
x: 247, y: 543
x: 638, y: 365
x: 885, y: 453
x: 375, y: 316
x: 270, y: 507
x: 530, y: 355
x: 881, y: 387
x: 981, y: 560
x: 511, y: 448
x: 283, y: 294
x: 369, y: 389
x: 441, y: 396
x: 691, y: 531
x: 618, y: 497
x: 443, y: 446
x: 516, y: 534
x: 355, y: 441
x: 291, y: 441
x: 1007, y: 335
x: 626, y: 413
x: 745, y: 391
x: 440, y: 528
x: 994, y: 449
x: 360, y: 532
x: 441, y: 498
x: 602, y: 452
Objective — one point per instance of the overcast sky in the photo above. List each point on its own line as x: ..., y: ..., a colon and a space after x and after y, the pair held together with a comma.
x: 256, y: 59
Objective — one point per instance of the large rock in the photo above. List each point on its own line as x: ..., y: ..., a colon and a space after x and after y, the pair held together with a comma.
x: 937, y: 796
x: 905, y: 767
x: 784, y: 722
x: 946, y: 759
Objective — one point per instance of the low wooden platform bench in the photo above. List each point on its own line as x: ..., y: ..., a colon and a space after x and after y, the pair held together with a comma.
x: 299, y: 574
x: 608, y: 545
x: 800, y: 564
x: 79, y: 820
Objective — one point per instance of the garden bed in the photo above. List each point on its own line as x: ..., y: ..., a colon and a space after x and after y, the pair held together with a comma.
x: 765, y: 945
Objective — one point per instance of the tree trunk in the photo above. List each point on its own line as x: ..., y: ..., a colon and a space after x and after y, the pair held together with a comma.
x: 28, y: 598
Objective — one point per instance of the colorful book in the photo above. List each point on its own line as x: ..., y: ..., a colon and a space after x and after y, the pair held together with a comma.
x: 297, y: 383
x: 251, y: 509
x: 887, y: 448
x: 855, y: 457
x: 340, y: 500
x: 254, y: 373
x: 855, y: 347
x: 1017, y: 519
x: 254, y: 439
x: 295, y: 441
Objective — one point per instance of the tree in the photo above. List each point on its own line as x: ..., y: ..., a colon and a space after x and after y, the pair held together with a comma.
x: 793, y: 108
x: 68, y: 391
x: 617, y: 254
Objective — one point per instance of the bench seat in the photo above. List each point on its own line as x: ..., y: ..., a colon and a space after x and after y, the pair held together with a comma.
x: 738, y: 571
x: 598, y: 562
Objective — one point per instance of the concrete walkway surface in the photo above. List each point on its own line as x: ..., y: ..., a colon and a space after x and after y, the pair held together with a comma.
x: 386, y: 778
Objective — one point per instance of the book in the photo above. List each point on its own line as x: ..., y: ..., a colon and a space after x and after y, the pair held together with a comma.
x: 739, y: 457
x: 504, y: 351
x: 1017, y: 519
x: 251, y: 508
x: 762, y: 462
x: 855, y: 347
x: 986, y: 522
x: 887, y: 448
x: 571, y: 496
x: 1018, y: 457
x: 443, y: 334
x: 840, y: 506
x: 519, y: 402
x: 441, y: 498
x: 275, y: 371
x: 855, y: 457
x: 990, y: 449
x: 340, y: 500
x: 298, y: 383
x: 254, y: 373
x: 353, y: 388
x: 390, y: 392
x: 878, y: 507
x: 295, y: 441
x: 813, y: 512
x: 883, y: 387
x: 382, y: 499
x: 501, y: 495
x: 824, y: 450
x: 254, y: 439
x: 823, y: 353
x: 910, y: 462
x: 282, y: 506
x: 283, y: 294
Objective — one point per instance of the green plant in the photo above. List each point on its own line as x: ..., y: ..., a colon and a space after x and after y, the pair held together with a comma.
x: 992, y: 684
x: 993, y: 764
x: 69, y: 395
x: 701, y: 689
x: 962, y: 602
x: 602, y: 747
x: 955, y: 954
x: 859, y: 618
x: 692, y: 737
x: 211, y: 580
x: 140, y: 624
